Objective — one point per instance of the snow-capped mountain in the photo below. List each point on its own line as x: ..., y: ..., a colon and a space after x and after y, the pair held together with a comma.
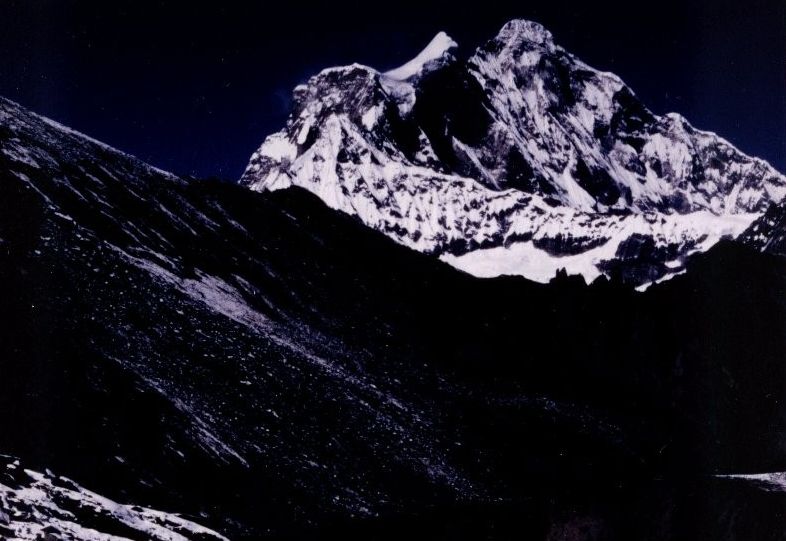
x: 520, y: 159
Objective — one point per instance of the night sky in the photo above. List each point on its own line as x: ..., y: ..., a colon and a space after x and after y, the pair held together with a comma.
x: 195, y: 89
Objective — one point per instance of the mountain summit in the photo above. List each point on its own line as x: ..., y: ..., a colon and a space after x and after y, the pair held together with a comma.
x: 520, y: 159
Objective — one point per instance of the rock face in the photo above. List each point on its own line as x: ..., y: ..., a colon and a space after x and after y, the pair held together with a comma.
x: 520, y: 159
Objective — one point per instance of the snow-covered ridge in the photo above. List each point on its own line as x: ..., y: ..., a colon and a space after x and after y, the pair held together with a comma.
x: 520, y: 159
x: 434, y: 51
x: 770, y: 482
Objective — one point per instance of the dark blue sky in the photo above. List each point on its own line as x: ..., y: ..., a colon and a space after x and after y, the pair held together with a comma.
x: 195, y: 89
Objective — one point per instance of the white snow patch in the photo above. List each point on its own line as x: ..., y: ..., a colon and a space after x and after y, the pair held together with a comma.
x: 278, y: 147
x: 47, y: 501
x: 523, y: 258
x: 436, y: 48
x: 371, y: 117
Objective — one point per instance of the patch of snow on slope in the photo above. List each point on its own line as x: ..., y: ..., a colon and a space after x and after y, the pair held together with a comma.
x: 35, y: 505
